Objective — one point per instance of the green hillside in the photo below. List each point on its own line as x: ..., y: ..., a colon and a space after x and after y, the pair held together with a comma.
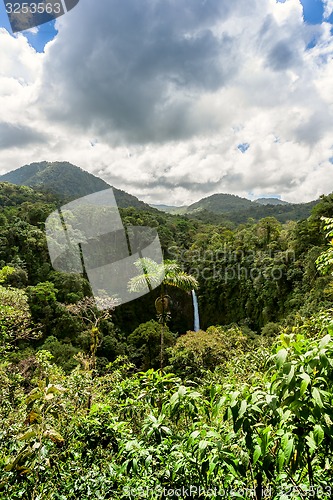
x: 12, y: 195
x: 67, y: 181
x: 282, y: 213
x: 239, y: 210
x: 221, y: 203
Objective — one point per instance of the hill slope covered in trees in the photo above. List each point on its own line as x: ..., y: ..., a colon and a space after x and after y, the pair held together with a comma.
x: 66, y: 181
x: 239, y: 210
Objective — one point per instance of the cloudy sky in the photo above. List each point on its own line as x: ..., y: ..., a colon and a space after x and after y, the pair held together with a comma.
x: 174, y: 100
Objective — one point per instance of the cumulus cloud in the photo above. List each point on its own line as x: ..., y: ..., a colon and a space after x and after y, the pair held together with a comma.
x: 142, y: 68
x: 156, y: 96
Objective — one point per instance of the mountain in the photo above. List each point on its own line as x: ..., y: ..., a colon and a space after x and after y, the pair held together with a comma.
x: 70, y: 182
x: 220, y: 204
x: 270, y: 201
x: 67, y: 181
x: 239, y: 210
x: 283, y: 213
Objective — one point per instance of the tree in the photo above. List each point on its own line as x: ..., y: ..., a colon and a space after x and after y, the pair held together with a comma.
x: 15, y: 318
x: 196, y: 352
x: 169, y: 273
x: 43, y: 302
x: 144, y: 343
x: 86, y: 309
x: 325, y: 260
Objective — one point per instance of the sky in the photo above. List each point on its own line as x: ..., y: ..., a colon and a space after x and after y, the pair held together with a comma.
x: 174, y: 100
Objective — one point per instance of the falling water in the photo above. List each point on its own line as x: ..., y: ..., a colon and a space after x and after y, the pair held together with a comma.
x: 196, y: 311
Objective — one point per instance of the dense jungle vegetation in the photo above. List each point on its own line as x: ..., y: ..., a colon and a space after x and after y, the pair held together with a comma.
x: 242, y: 407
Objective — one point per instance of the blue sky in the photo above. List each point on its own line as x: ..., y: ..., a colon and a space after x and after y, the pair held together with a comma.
x: 46, y: 32
x: 38, y: 40
x: 174, y: 101
x: 314, y: 11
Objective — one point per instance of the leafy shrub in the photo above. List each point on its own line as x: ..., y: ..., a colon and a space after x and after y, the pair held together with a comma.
x: 145, y: 344
x: 196, y: 352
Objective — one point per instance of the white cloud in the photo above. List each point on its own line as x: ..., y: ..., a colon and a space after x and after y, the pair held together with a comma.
x: 155, y: 97
x: 328, y: 8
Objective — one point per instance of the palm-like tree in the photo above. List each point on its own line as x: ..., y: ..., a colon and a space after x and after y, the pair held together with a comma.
x: 169, y: 273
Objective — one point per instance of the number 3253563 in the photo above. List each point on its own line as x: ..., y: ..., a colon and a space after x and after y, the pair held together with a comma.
x: 33, y: 8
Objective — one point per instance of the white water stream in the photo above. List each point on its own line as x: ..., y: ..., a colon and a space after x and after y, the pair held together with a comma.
x: 196, y: 311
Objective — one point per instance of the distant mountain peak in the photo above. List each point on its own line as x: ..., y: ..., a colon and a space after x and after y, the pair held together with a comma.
x: 236, y: 209
x: 220, y: 203
x: 270, y: 201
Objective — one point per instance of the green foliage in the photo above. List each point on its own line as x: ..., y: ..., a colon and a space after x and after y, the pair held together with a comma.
x: 15, y: 318
x: 325, y: 260
x: 15, y: 277
x: 152, y: 431
x: 221, y: 202
x: 196, y: 352
x: 169, y: 273
x: 5, y: 273
x: 219, y: 258
x: 324, y: 208
x: 63, y: 353
x: 70, y: 288
x: 271, y: 329
x: 11, y: 195
x: 240, y: 210
x: 250, y: 415
x: 145, y: 343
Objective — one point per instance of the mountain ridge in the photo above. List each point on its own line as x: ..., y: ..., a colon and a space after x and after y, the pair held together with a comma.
x: 239, y: 210
x: 70, y: 182
x: 233, y: 208
x: 67, y: 181
x: 271, y: 201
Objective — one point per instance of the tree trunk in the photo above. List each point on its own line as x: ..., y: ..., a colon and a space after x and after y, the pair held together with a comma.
x: 162, y: 347
x: 162, y: 329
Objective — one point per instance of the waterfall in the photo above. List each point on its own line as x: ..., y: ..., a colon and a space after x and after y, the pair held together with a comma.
x: 196, y: 311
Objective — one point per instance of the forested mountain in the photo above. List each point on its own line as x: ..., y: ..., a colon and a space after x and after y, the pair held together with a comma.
x: 239, y: 210
x: 221, y: 203
x: 283, y: 213
x: 67, y: 181
x: 221, y: 208
x: 70, y: 182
